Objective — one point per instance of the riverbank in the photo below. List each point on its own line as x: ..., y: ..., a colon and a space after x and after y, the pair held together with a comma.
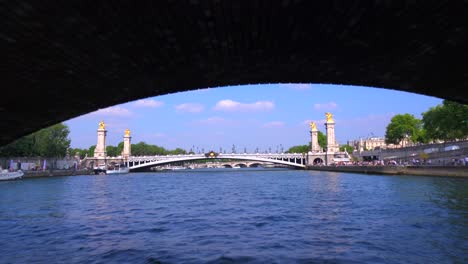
x: 54, y: 173
x: 450, y: 171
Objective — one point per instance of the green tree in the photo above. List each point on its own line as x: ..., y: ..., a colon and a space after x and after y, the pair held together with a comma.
x: 91, y: 151
x: 402, y: 126
x: 81, y: 152
x: 177, y: 151
x: 48, y: 142
x: 448, y: 121
x: 112, y: 151
x: 120, y: 147
x: 54, y: 140
x: 299, y: 149
x: 322, y: 140
x: 348, y: 148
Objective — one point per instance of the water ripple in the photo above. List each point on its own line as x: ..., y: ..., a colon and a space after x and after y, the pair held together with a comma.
x: 234, y: 217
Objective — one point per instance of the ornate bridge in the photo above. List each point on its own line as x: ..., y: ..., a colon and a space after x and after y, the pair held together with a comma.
x: 316, y: 156
x: 291, y: 159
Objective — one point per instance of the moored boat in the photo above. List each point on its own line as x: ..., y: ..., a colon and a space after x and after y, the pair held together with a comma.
x: 118, y: 170
x: 6, y: 175
x: 98, y: 170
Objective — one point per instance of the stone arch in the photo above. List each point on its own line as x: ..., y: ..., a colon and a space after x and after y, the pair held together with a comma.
x: 156, y: 55
x: 318, y: 161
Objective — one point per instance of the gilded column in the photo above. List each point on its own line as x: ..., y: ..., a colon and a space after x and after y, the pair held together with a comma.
x: 127, y: 151
x: 314, y: 145
x: 330, y: 127
x: 100, y: 150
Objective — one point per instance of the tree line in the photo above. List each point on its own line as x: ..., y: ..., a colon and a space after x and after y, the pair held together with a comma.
x: 445, y: 122
x: 138, y: 149
x: 54, y: 142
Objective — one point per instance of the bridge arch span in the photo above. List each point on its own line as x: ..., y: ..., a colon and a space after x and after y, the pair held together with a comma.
x: 143, y: 162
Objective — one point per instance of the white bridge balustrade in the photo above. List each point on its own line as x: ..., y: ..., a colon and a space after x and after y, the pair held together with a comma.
x: 292, y: 159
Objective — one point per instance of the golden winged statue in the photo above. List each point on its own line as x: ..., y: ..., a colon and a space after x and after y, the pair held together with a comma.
x: 127, y: 132
x: 102, y: 125
x: 313, y: 127
x: 329, y: 117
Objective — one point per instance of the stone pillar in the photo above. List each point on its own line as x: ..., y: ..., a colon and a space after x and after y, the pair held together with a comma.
x: 100, y: 150
x: 314, y: 145
x: 126, y: 152
x: 331, y: 142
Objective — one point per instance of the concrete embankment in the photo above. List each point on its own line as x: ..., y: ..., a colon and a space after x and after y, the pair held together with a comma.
x: 53, y: 173
x: 450, y: 171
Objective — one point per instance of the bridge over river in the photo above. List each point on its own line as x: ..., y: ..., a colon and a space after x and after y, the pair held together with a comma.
x: 297, y: 160
x: 315, y: 156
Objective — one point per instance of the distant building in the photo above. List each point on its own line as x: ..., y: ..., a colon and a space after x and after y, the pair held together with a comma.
x: 373, y: 143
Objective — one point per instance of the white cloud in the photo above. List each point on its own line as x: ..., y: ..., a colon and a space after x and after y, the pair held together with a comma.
x: 274, y: 124
x: 113, y: 111
x: 297, y: 86
x: 326, y: 106
x: 189, y: 107
x: 149, y: 103
x: 230, y: 105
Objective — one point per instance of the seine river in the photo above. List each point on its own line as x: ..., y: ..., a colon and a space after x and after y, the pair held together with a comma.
x: 234, y: 216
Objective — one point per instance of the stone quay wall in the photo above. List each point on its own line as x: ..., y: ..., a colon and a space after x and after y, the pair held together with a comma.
x: 55, y: 173
x: 447, y: 171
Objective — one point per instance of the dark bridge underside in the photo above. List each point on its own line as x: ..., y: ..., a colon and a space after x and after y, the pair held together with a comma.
x: 61, y: 59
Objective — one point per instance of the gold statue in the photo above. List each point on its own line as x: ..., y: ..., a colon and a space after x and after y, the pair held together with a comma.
x: 127, y: 132
x: 313, y: 127
x: 102, y: 125
x: 329, y: 117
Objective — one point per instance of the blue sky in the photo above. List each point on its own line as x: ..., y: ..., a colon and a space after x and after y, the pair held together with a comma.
x: 249, y: 116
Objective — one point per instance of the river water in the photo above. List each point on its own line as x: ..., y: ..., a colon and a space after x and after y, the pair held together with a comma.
x: 234, y: 216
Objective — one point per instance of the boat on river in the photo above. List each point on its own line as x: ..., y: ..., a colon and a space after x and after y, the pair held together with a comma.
x: 99, y: 170
x: 6, y: 175
x: 118, y: 170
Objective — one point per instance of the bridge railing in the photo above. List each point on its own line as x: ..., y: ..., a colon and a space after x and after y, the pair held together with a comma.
x: 284, y: 158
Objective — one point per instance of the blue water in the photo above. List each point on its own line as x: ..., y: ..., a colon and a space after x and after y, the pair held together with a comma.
x: 234, y: 216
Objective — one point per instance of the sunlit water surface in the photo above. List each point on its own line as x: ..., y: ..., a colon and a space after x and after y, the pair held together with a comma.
x: 234, y: 216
